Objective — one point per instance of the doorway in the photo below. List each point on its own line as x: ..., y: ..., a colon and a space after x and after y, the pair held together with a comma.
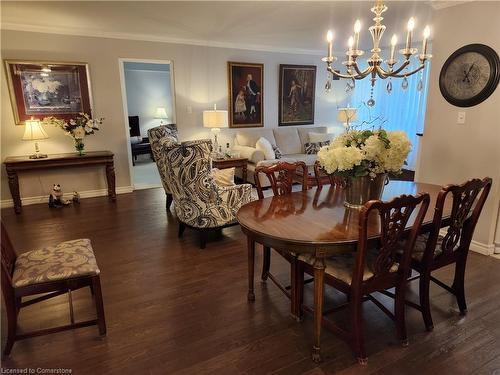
x: 148, y: 96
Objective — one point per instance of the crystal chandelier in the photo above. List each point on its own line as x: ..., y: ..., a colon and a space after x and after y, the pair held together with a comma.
x: 375, y: 68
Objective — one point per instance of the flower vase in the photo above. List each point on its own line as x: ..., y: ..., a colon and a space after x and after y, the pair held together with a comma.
x: 80, y: 147
x: 360, y: 190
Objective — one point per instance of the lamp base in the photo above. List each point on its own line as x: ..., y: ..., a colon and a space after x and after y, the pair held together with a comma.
x: 38, y: 156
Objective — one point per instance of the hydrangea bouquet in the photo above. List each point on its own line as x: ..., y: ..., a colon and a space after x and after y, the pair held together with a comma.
x: 77, y: 128
x: 365, y: 157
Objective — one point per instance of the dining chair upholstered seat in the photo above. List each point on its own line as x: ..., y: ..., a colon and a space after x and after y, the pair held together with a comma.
x: 420, y: 245
x: 341, y: 266
x: 61, y: 262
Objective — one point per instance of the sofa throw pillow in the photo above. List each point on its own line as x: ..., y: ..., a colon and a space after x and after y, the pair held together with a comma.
x: 223, y: 177
x: 265, y: 146
x: 313, y: 147
x: 277, y: 152
x: 319, y: 137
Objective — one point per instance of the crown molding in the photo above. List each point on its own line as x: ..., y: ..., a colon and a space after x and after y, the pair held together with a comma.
x: 154, y: 38
x: 442, y: 4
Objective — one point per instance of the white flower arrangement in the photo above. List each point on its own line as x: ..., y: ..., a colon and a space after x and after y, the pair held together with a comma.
x: 365, y: 152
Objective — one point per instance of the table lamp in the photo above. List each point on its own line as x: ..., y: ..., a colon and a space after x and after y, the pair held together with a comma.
x: 215, y: 120
x: 34, y: 131
x: 346, y: 116
x: 161, y: 113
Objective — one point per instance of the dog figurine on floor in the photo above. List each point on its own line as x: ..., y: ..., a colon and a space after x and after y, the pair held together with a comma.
x: 56, y: 199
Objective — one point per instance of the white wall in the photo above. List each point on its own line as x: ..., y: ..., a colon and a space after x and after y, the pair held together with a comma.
x: 146, y: 91
x: 452, y: 153
x: 200, y: 75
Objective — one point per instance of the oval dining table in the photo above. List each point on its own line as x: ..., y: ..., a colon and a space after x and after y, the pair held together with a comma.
x: 317, y: 222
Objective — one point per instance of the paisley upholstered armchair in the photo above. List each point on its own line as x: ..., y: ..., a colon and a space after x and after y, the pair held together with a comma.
x: 160, y: 138
x: 199, y: 202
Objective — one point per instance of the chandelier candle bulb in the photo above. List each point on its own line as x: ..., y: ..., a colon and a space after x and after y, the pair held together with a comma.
x: 357, y: 29
x: 411, y: 26
x: 427, y: 33
x: 394, y: 41
x: 329, y: 38
x: 350, y: 44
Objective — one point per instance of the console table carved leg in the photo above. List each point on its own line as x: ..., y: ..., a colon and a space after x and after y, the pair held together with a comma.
x: 251, y: 263
x: 244, y: 173
x: 14, y: 190
x: 110, y: 178
x: 319, y: 289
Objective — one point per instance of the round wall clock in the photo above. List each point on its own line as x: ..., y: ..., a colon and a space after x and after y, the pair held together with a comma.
x: 470, y: 75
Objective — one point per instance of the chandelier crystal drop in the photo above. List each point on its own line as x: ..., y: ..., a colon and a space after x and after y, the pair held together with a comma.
x: 377, y: 67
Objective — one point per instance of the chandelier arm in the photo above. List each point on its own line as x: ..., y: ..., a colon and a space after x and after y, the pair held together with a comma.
x: 409, y: 73
x: 403, y: 65
x: 348, y: 76
x: 364, y: 73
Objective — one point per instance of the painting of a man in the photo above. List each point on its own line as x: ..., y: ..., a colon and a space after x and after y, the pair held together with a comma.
x: 297, y: 94
x: 245, y: 94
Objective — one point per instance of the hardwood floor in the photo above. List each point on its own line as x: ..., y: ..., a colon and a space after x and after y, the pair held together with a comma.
x: 173, y: 308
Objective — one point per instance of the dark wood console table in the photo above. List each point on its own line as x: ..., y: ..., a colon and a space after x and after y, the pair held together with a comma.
x: 15, y: 164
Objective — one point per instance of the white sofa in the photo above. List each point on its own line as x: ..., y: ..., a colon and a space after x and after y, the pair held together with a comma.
x: 289, y: 140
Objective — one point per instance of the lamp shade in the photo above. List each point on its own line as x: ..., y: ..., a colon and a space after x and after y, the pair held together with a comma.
x: 34, y: 131
x: 161, y: 113
x: 346, y: 115
x: 215, y: 119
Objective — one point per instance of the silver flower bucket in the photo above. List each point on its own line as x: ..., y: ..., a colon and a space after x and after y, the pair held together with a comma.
x: 360, y: 190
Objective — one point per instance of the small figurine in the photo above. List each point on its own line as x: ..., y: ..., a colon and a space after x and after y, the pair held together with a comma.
x: 76, y: 197
x: 56, y: 197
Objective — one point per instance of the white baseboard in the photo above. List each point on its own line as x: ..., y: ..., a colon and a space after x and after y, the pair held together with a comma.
x: 83, y: 194
x: 478, y: 247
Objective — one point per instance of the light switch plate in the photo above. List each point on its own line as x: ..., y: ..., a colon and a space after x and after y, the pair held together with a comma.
x: 461, y: 118
x: 189, y: 109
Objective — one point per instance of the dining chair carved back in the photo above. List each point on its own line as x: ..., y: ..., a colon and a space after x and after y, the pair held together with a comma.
x: 374, y: 266
x: 434, y: 250
x: 323, y: 178
x: 281, y: 176
x: 50, y: 271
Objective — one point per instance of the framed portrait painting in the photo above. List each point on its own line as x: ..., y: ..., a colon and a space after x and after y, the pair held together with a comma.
x: 297, y: 88
x: 42, y: 89
x: 246, y: 94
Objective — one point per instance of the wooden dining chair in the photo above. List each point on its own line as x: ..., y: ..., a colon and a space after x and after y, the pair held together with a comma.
x: 371, y: 268
x: 434, y: 250
x: 50, y: 271
x: 281, y: 176
x: 323, y: 178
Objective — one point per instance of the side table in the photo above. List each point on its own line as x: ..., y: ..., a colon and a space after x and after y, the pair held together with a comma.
x: 232, y: 163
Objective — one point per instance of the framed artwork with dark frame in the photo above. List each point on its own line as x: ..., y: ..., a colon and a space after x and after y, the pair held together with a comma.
x: 297, y: 89
x: 246, y: 94
x: 43, y: 89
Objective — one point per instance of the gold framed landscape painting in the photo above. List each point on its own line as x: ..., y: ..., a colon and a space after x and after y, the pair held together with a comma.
x: 42, y: 89
x: 246, y: 94
x: 297, y: 89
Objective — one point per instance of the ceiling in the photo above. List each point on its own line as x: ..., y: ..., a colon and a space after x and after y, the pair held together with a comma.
x: 269, y: 25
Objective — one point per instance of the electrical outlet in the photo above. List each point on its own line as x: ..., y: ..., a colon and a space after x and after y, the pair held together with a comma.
x: 461, y: 118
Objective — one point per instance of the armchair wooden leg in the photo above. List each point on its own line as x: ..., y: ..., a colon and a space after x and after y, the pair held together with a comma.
x: 459, y: 285
x: 399, y: 307
x: 170, y: 199
x: 182, y: 227
x: 99, y: 305
x: 266, y: 263
x: 357, y: 326
x: 203, y: 239
x: 11, y: 326
x: 424, y: 284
